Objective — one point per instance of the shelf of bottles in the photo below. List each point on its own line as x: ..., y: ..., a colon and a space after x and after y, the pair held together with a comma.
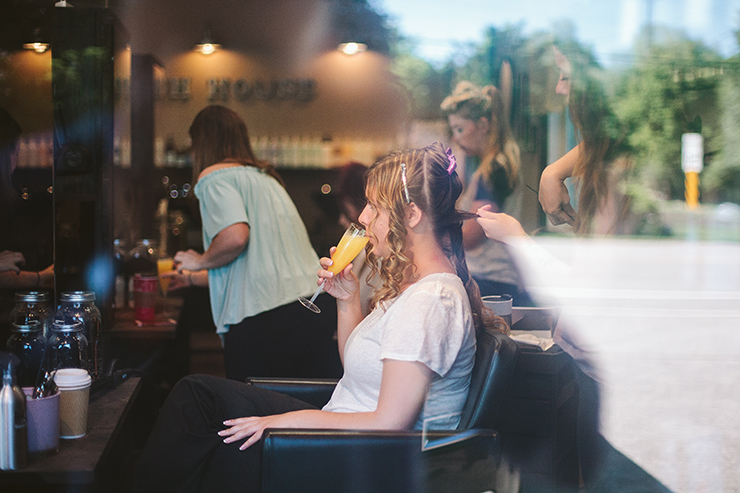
x: 282, y: 152
x: 305, y: 152
x: 36, y: 150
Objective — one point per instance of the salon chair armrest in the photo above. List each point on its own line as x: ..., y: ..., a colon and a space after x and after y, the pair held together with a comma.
x: 380, y: 461
x: 316, y: 391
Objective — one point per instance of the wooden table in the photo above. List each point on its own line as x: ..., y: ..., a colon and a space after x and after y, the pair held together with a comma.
x: 90, y: 463
x: 163, y: 327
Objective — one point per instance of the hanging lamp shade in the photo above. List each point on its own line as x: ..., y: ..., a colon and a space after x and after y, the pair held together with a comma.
x: 36, y: 44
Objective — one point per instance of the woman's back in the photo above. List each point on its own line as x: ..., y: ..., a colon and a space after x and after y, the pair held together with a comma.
x: 279, y: 263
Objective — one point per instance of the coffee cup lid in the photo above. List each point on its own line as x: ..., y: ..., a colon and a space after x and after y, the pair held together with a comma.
x: 72, y: 378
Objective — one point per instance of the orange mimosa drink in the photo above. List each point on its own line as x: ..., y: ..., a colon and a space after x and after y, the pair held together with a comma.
x: 352, y: 242
x: 348, y: 248
x: 164, y: 265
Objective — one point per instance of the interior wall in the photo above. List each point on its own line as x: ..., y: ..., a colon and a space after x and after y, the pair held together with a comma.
x: 25, y: 91
x: 355, y: 96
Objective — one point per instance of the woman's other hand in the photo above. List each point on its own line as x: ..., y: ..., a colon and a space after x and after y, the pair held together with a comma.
x: 252, y: 428
x: 497, y: 225
x: 11, y: 261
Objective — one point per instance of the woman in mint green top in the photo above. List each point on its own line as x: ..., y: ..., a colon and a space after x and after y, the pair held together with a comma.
x: 257, y: 261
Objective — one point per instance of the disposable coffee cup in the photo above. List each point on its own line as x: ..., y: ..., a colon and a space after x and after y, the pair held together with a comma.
x: 501, y: 306
x: 74, y: 390
x: 145, y: 297
x: 42, y: 423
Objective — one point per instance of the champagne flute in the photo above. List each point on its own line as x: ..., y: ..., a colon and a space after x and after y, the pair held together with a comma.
x: 352, y: 242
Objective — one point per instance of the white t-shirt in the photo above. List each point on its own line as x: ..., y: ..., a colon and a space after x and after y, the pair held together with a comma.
x: 430, y: 322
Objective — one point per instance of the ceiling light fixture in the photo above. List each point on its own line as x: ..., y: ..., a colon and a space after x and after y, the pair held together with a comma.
x: 37, y: 45
x: 352, y: 48
x: 207, y: 45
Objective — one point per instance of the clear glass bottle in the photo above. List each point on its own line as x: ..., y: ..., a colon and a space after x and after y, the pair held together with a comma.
x: 28, y: 344
x: 120, y: 256
x: 79, y: 306
x: 68, y: 345
x: 142, y: 259
x: 33, y: 305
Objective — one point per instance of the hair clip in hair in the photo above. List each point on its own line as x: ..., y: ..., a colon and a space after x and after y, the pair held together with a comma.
x: 453, y: 161
x: 405, y: 184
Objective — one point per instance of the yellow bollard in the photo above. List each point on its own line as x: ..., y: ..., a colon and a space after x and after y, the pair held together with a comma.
x: 692, y: 189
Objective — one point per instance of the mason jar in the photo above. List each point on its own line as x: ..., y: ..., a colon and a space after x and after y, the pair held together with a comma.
x: 79, y: 306
x: 28, y: 344
x: 68, y: 345
x: 33, y: 305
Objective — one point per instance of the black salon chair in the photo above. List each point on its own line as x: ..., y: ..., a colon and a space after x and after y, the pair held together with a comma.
x: 464, y: 460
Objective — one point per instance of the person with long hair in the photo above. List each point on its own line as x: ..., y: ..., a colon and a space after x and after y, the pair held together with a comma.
x: 598, y: 163
x: 480, y: 126
x: 408, y: 361
x: 257, y: 261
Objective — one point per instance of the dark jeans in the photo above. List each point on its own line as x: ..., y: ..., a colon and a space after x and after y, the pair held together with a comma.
x: 288, y: 341
x: 184, y: 452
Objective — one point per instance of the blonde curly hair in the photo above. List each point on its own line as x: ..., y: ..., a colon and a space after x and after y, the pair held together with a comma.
x: 435, y: 191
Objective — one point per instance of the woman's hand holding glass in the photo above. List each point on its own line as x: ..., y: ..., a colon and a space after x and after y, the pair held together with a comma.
x: 352, y: 242
x: 343, y: 286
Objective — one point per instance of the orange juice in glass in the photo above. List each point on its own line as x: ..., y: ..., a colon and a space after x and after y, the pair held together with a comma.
x: 164, y: 265
x: 351, y: 244
x: 349, y: 247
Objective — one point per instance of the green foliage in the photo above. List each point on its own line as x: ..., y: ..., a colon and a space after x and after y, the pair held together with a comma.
x: 721, y: 180
x: 425, y: 86
x: 358, y: 20
x: 483, y: 65
x: 660, y: 98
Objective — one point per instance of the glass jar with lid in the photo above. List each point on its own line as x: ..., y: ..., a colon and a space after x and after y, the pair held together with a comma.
x: 28, y: 344
x: 33, y: 305
x: 68, y: 345
x: 79, y: 306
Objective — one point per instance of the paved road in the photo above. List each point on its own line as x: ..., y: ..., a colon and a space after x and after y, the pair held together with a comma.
x: 660, y: 319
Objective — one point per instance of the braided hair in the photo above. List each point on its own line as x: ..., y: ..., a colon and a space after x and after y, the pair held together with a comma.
x: 434, y: 187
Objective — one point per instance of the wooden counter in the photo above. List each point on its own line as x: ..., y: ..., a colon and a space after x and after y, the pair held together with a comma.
x: 89, y: 463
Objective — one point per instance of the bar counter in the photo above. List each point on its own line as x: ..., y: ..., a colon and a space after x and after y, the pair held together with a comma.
x: 95, y: 462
